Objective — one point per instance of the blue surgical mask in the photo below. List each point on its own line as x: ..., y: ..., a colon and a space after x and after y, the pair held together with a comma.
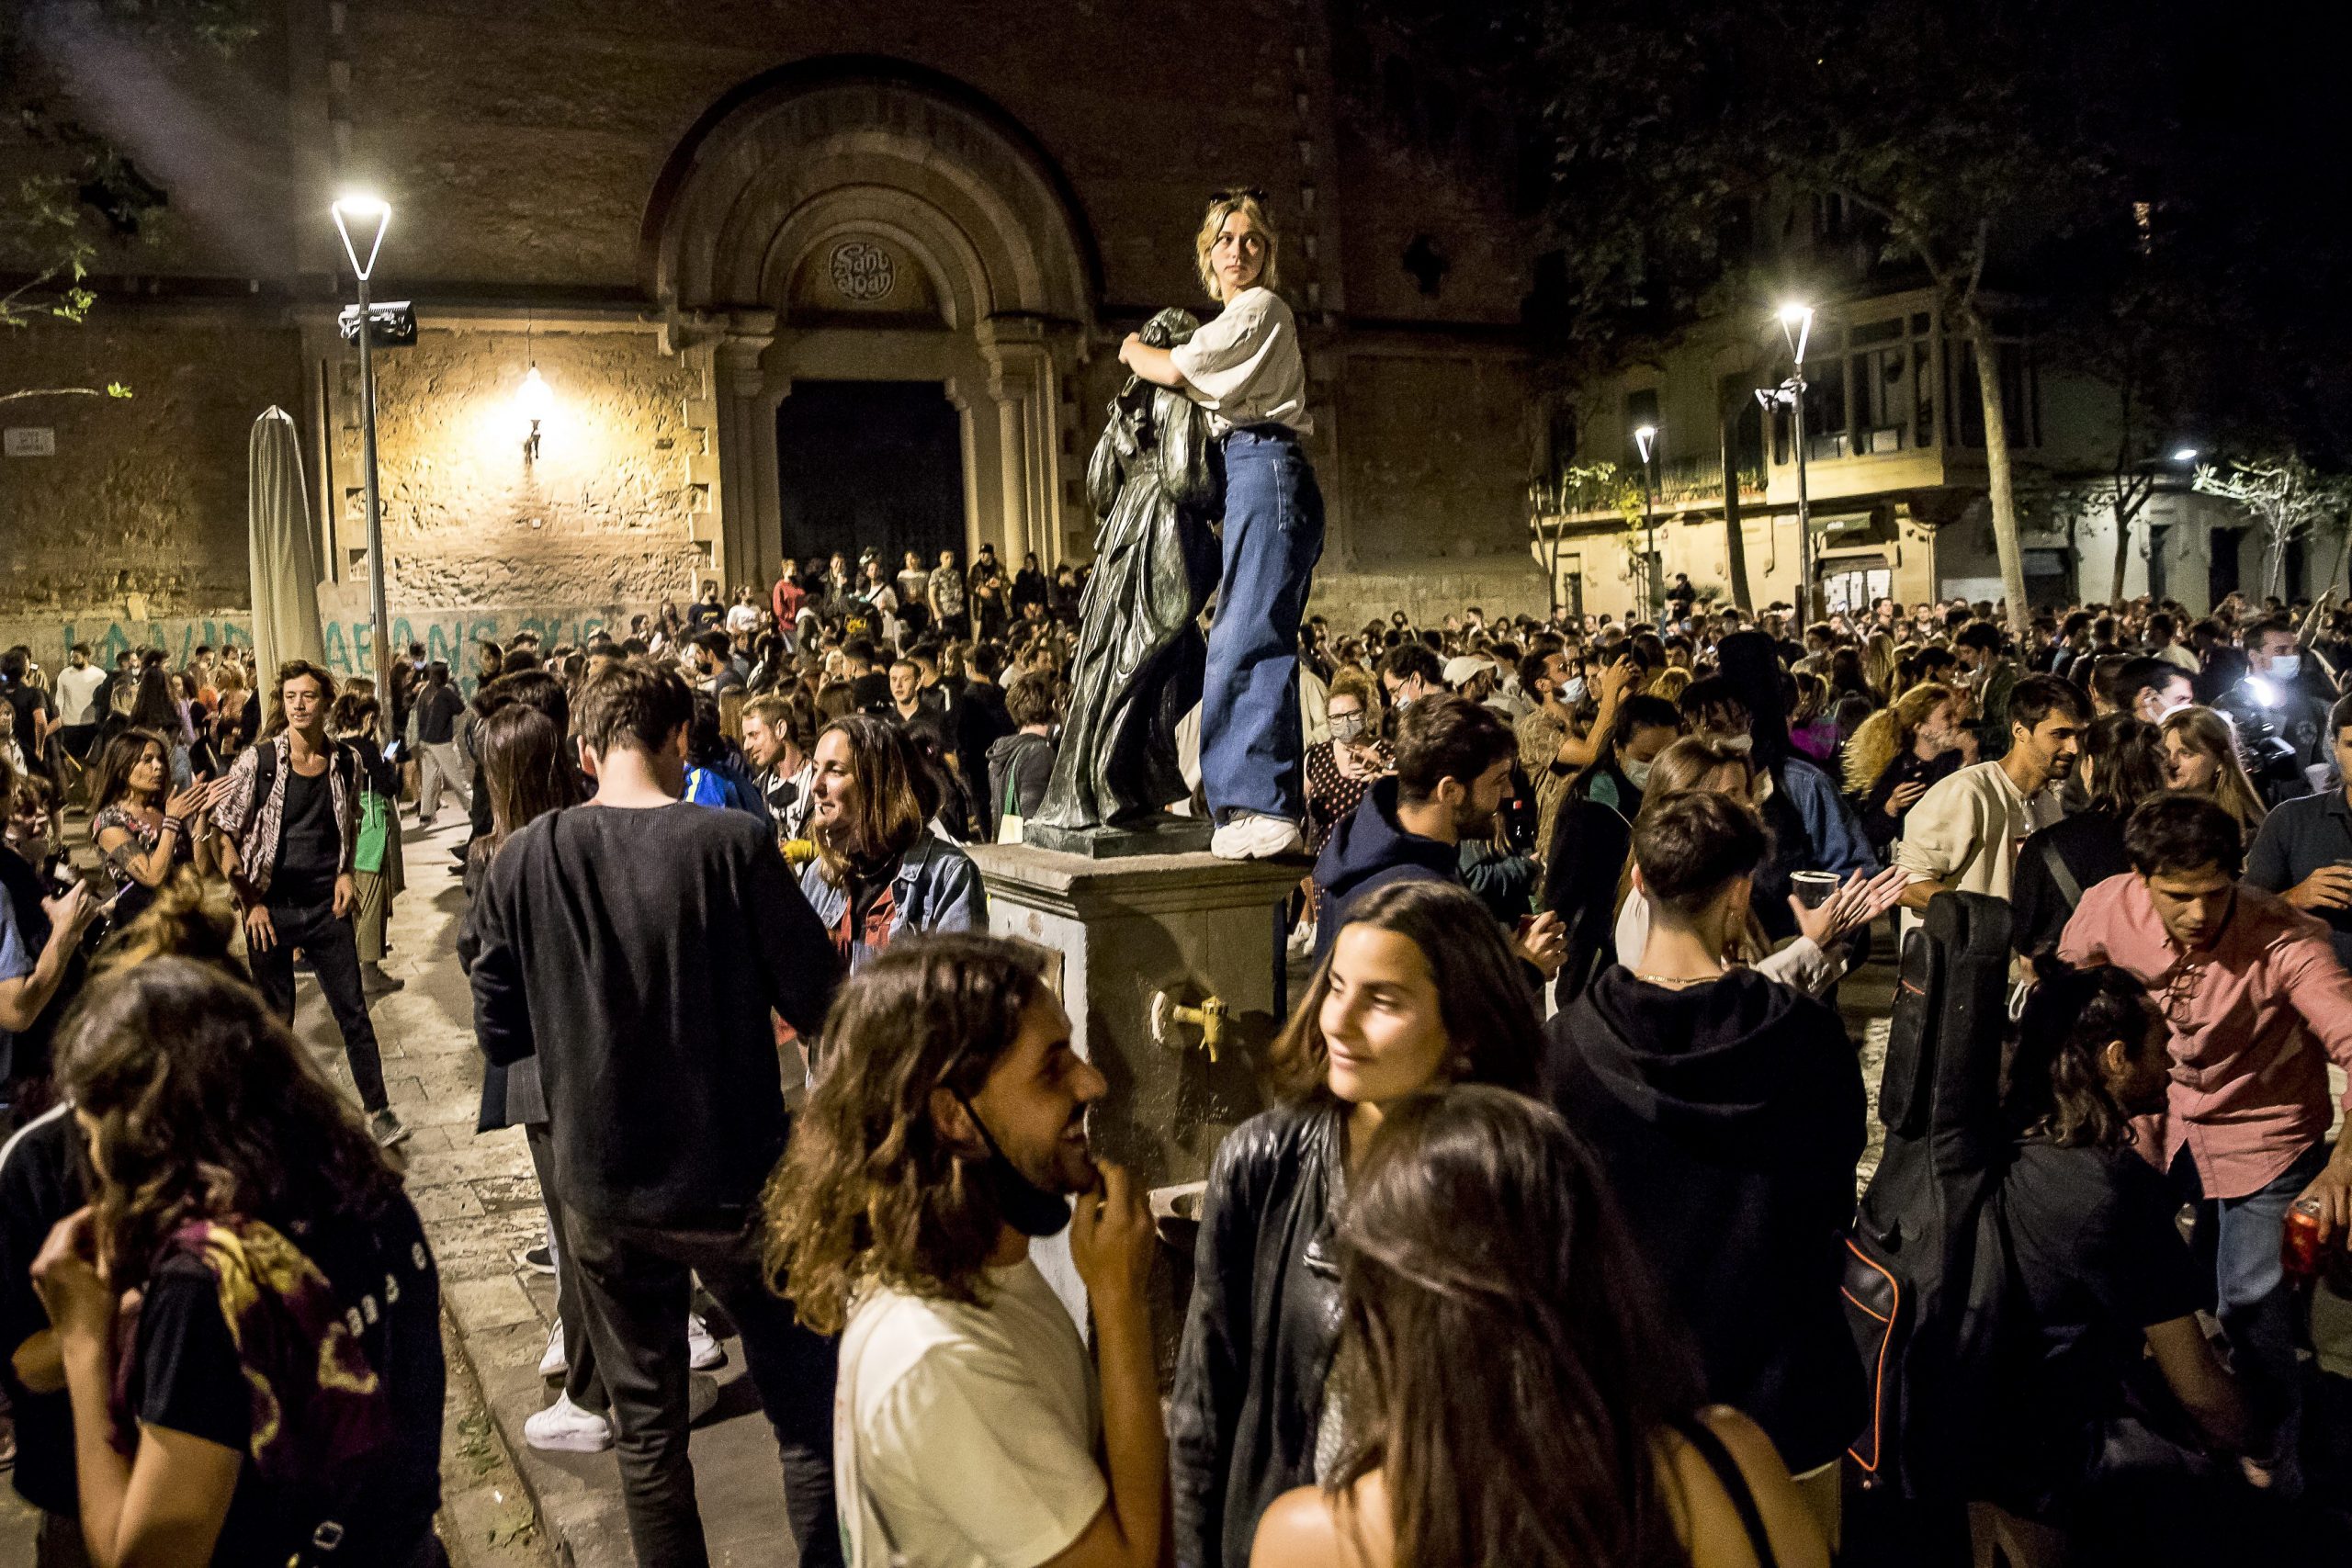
x: 1638, y: 774
x: 1572, y: 690
x: 2285, y: 666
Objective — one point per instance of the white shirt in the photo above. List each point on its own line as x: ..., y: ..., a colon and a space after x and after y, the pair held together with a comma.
x: 743, y: 618
x: 1965, y: 832
x: 963, y: 1434
x: 77, y: 694
x: 1245, y: 368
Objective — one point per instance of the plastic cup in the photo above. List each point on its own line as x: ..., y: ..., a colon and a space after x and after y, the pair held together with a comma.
x: 1813, y: 889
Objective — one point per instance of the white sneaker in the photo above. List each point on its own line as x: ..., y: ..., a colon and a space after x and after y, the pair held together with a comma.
x: 1252, y: 837
x: 555, y: 1363
x: 703, y: 1352
x: 564, y: 1428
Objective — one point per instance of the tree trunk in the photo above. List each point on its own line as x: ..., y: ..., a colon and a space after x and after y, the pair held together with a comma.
x: 2000, y: 479
x: 1734, y: 530
x: 2124, y: 514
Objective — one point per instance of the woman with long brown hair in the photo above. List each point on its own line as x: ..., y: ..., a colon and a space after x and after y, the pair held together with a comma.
x: 2201, y: 757
x: 277, y: 1378
x: 879, y: 870
x: 1514, y: 1397
x: 1419, y: 990
x: 142, y: 826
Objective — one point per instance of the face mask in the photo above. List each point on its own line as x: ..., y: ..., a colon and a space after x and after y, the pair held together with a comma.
x: 1737, y: 742
x: 1025, y: 1206
x: 1638, y: 774
x: 2285, y: 666
x: 1403, y: 702
x: 1572, y: 690
x: 1346, y: 726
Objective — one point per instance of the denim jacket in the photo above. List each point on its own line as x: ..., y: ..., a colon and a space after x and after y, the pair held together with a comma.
x: 937, y: 889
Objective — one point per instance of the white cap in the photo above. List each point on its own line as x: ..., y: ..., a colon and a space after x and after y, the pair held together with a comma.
x: 1461, y: 667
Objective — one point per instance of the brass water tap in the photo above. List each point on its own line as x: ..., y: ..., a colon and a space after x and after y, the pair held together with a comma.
x: 1208, y: 1017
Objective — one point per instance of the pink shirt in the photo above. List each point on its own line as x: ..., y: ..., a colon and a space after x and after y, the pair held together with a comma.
x: 2249, y: 1088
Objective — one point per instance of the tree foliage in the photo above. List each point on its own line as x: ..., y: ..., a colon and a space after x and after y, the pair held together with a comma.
x: 2286, y: 496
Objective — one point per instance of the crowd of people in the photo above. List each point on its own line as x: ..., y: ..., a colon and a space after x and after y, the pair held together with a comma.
x: 1533, y: 1255
x: 1568, y: 1083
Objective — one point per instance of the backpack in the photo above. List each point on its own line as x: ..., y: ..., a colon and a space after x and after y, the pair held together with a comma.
x: 1928, y: 1264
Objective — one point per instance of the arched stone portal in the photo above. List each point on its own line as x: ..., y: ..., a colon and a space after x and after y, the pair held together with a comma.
x: 862, y: 219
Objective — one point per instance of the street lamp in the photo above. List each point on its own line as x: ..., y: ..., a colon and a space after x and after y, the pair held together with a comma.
x: 1796, y: 325
x: 1645, y: 440
x: 371, y: 216
x: 2185, y: 455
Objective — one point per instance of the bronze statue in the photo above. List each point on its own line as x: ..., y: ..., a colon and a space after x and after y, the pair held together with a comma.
x: 1137, y: 670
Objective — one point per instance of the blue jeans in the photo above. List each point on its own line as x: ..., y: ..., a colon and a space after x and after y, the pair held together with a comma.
x: 2241, y: 1236
x: 1251, y: 746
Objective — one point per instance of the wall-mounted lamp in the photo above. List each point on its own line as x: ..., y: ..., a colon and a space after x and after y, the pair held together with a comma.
x: 536, y: 400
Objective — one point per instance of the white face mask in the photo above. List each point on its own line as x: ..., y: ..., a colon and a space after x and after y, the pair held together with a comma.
x: 1737, y: 742
x: 2284, y: 666
x: 1638, y: 774
x: 1572, y: 690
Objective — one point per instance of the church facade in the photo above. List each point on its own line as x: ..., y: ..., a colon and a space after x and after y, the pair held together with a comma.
x: 763, y: 280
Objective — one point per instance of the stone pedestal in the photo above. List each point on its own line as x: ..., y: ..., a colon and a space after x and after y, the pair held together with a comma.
x: 1119, y: 934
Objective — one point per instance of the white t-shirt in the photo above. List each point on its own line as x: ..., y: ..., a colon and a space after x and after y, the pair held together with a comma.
x: 1245, y: 367
x: 743, y: 618
x: 77, y: 694
x: 964, y: 1435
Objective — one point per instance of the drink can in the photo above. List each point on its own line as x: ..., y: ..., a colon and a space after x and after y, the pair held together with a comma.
x: 2299, y: 1248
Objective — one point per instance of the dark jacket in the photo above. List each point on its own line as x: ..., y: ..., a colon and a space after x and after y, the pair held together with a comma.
x: 1259, y: 1330
x: 2055, y: 866
x: 1370, y: 850
x: 1728, y: 1118
x: 1028, y: 762
x: 1879, y: 828
x: 1589, y: 844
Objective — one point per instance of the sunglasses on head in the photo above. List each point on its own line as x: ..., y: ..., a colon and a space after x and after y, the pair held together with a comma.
x: 1244, y: 193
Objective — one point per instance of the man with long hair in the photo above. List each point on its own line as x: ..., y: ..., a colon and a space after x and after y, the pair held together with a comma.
x: 946, y: 1133
x: 637, y: 946
x: 289, y: 814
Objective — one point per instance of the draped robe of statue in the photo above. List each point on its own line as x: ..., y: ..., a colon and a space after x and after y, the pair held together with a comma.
x: 1136, y: 670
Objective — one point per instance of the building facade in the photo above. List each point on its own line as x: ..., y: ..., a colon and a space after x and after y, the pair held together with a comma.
x: 781, y: 280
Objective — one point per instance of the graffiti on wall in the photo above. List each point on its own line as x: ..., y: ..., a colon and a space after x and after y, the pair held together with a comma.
x: 447, y: 635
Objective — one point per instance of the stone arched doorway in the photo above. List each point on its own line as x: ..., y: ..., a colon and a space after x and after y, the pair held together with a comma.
x: 857, y: 220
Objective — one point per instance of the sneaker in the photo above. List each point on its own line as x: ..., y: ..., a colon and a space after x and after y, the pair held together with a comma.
x: 537, y: 1260
x: 564, y: 1428
x: 554, y: 1363
x: 1252, y: 837
x: 703, y: 1353
x: 386, y: 1128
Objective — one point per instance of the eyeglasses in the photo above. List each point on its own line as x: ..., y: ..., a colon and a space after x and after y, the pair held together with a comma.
x: 1242, y: 193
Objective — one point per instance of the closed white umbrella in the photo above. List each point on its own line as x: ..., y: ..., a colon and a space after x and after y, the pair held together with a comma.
x: 284, y: 550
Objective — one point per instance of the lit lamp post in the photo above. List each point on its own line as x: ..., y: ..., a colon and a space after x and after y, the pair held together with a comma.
x: 371, y: 217
x: 1645, y: 441
x: 1797, y: 324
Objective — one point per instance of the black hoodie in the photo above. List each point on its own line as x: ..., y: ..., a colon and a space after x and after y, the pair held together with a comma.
x: 1369, y: 848
x: 1728, y: 1117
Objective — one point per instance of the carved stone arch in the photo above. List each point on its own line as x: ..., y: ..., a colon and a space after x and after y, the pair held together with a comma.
x: 844, y: 147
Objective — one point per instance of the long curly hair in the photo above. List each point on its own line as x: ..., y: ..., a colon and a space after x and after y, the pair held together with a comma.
x: 1889, y: 732
x: 1478, y: 1221
x: 207, y: 1108
x: 868, y: 1191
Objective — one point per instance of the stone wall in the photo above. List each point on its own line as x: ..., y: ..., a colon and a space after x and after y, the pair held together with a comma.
x: 144, y: 496
x: 603, y: 515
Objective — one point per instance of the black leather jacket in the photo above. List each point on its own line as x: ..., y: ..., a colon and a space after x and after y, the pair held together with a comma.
x: 1259, y: 1332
